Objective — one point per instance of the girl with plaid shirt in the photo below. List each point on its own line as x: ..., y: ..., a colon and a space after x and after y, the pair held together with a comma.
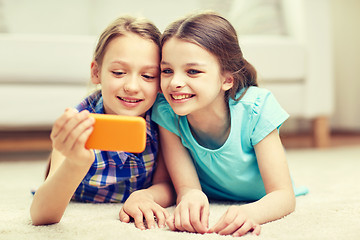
x: 126, y: 65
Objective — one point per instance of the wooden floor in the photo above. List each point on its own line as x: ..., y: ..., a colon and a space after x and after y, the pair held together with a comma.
x: 337, y: 139
x: 17, y: 141
x: 39, y: 141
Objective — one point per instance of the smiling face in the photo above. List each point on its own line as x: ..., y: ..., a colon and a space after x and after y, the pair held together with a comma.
x: 129, y: 75
x: 191, y: 79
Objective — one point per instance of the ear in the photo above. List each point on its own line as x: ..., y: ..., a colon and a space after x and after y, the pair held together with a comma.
x: 95, y: 73
x: 228, y: 81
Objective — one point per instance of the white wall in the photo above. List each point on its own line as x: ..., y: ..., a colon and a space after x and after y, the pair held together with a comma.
x: 86, y: 17
x: 345, y: 19
x: 346, y: 39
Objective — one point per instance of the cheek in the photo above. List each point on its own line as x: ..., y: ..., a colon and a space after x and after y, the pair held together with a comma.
x: 151, y: 89
x: 164, y: 83
x: 111, y: 84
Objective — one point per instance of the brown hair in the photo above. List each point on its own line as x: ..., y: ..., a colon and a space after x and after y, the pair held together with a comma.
x: 215, y: 34
x: 120, y: 27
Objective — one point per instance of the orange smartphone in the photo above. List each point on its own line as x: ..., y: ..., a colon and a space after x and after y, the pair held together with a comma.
x: 117, y: 133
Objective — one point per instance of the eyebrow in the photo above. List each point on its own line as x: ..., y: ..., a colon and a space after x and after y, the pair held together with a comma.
x: 127, y: 64
x: 187, y: 64
x: 119, y: 62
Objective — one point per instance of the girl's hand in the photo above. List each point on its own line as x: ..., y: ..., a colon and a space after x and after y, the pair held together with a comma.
x: 191, y: 214
x: 69, y: 135
x: 141, y: 206
x: 234, y: 222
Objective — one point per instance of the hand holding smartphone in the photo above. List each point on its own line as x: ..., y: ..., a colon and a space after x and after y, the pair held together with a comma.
x: 117, y: 133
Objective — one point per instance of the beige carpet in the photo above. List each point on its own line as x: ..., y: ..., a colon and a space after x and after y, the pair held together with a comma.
x: 330, y: 211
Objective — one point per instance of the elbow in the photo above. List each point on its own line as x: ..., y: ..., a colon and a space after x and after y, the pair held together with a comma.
x: 40, y: 221
x: 287, y: 203
x: 39, y: 218
x: 291, y: 203
x: 37, y: 222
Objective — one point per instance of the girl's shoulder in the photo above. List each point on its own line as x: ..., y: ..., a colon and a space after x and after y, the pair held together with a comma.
x: 252, y: 95
x: 161, y: 106
x: 163, y: 114
x: 93, y: 103
x: 263, y: 112
x: 253, y: 99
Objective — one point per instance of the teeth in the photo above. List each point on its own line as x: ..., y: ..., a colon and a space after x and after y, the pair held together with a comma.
x: 183, y: 96
x: 129, y: 100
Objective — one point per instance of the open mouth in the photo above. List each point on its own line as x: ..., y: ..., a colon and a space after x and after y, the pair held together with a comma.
x: 130, y: 100
x: 182, y: 96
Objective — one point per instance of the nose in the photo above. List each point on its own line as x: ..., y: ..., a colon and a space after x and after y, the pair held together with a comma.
x: 131, y: 84
x: 177, y: 81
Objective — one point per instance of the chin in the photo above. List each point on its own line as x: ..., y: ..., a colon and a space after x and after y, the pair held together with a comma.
x: 181, y: 112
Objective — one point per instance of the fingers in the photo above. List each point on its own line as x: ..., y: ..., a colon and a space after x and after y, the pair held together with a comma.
x: 155, y: 216
x: 124, y: 217
x: 61, y: 121
x: 145, y: 218
x: 237, y: 228
x: 196, y: 219
x: 191, y: 215
x: 257, y: 229
x: 193, y: 219
x: 71, y: 129
x: 177, y: 221
x: 139, y: 220
x: 170, y: 222
x: 205, y: 216
x: 218, y: 226
x: 248, y: 226
x: 161, y: 217
x: 182, y: 221
x: 235, y: 224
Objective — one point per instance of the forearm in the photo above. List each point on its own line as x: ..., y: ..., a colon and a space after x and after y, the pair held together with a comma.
x: 52, y: 198
x: 280, y: 199
x: 162, y: 193
x: 273, y: 206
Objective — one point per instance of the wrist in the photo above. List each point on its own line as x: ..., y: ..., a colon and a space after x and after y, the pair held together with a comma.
x: 183, y: 193
x: 78, y: 165
x: 144, y: 193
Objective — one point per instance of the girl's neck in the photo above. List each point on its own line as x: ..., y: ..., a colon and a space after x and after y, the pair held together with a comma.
x: 211, y: 127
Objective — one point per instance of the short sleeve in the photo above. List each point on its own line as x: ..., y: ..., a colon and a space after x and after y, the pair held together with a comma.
x: 267, y: 115
x: 164, y: 116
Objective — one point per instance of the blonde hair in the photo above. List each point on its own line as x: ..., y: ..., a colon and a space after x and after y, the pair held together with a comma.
x: 120, y: 27
x: 215, y: 34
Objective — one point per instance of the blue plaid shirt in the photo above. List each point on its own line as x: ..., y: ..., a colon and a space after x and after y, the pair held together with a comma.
x: 115, y: 175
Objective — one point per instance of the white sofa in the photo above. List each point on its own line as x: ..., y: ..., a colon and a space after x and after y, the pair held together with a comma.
x: 40, y: 75
x: 297, y: 68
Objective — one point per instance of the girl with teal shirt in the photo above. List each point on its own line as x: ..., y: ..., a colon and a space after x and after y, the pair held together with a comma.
x: 219, y: 131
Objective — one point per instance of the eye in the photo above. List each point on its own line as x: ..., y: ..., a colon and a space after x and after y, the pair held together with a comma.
x: 148, y: 77
x: 193, y: 72
x: 166, y: 71
x: 118, y: 73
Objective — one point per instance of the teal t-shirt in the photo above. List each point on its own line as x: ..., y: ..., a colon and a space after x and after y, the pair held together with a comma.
x: 230, y: 172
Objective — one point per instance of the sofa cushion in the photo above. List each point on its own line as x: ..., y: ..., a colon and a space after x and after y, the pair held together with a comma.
x: 45, y: 59
x: 275, y: 58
